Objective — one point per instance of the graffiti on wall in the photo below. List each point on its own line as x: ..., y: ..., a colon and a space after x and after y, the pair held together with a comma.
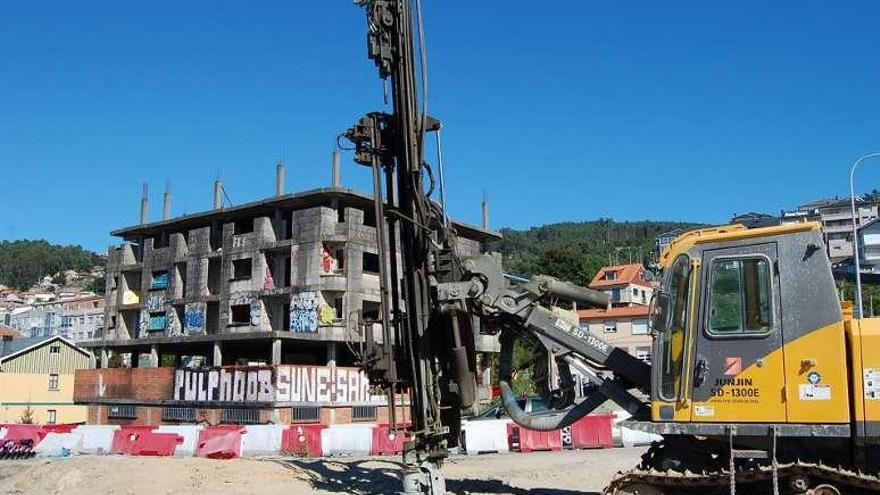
x: 193, y: 319
x: 304, y: 312
x: 130, y: 297
x: 322, y: 384
x: 143, y: 323
x: 155, y: 303
x: 173, y: 328
x: 312, y: 384
x: 268, y: 281
x: 224, y: 385
x: 256, y: 312
x: 239, y: 241
x: 328, y: 262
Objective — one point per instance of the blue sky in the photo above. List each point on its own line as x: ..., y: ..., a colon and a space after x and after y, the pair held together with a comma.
x: 562, y: 111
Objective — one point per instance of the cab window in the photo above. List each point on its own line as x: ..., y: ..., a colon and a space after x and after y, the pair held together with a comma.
x: 670, y: 324
x: 740, y: 300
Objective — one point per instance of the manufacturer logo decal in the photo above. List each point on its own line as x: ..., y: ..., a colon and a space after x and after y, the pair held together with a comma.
x: 814, y: 377
x: 733, y: 366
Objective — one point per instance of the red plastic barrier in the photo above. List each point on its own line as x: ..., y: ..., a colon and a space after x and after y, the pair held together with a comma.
x: 156, y: 444
x: 306, y: 439
x: 126, y: 436
x: 18, y: 433
x: 591, y: 432
x: 220, y: 442
x: 524, y: 440
x: 384, y: 442
x: 58, y: 428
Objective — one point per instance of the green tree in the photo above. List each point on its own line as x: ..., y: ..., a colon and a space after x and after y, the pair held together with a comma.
x: 98, y: 285
x: 24, y: 262
x: 27, y: 416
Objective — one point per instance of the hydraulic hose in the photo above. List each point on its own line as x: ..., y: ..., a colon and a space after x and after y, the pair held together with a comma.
x: 544, y: 421
x: 548, y: 422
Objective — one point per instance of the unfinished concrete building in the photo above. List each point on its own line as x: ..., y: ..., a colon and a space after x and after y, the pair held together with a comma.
x: 274, y: 290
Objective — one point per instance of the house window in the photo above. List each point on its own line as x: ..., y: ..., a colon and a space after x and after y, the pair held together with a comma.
x: 615, y: 295
x: 51, y: 416
x: 306, y: 414
x: 610, y: 326
x: 740, y: 300
x: 241, y: 269
x: 158, y: 321
x: 53, y: 382
x: 240, y: 314
x: 159, y: 280
x: 643, y: 354
x: 122, y: 411
x: 611, y: 275
x: 363, y: 413
x: 640, y: 327
x: 635, y: 292
x: 243, y: 226
x: 371, y: 263
x: 55, y: 349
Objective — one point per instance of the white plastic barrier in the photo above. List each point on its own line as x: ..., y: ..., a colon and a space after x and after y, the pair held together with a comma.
x: 96, y: 439
x: 55, y: 444
x: 347, y: 439
x: 3, y: 431
x: 261, y: 440
x: 627, y: 437
x: 190, y: 434
x: 630, y: 437
x: 486, y: 435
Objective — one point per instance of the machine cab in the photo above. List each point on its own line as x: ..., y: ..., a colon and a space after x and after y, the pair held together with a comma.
x: 748, y: 328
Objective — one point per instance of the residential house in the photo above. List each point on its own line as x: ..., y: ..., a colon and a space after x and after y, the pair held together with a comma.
x: 624, y: 284
x: 36, y: 376
x: 625, y: 327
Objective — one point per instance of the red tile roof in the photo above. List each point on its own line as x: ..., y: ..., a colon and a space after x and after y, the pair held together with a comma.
x: 617, y: 312
x: 9, y: 332
x: 625, y: 274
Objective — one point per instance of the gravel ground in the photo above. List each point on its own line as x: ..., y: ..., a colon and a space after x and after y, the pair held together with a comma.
x: 583, y: 472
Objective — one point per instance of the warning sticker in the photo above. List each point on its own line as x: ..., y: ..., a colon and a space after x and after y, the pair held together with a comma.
x: 704, y: 411
x: 733, y: 366
x: 809, y: 391
x: 872, y: 383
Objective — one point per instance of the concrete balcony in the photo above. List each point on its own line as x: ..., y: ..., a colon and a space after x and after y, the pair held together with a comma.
x: 334, y: 282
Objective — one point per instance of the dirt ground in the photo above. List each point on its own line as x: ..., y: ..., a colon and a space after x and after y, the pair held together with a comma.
x: 582, y: 472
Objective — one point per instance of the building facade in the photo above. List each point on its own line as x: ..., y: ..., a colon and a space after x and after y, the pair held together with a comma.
x: 625, y: 322
x: 624, y: 284
x: 625, y: 327
x: 78, y: 318
x: 37, y: 380
x: 836, y: 218
x: 263, y: 295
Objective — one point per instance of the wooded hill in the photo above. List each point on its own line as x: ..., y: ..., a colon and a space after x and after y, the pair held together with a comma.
x: 574, y: 251
x: 23, y: 263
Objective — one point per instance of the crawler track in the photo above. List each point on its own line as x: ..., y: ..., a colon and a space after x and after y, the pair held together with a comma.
x: 756, y: 480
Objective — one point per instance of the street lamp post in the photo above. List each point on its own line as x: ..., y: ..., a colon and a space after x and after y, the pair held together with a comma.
x: 852, y: 201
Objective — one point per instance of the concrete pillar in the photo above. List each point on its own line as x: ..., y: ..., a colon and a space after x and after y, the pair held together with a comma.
x: 218, y: 194
x: 276, y: 351
x: 336, y: 169
x: 154, y: 357
x: 218, y: 354
x: 105, y: 359
x: 166, y: 205
x: 279, y: 178
x: 145, y: 204
x: 331, y: 353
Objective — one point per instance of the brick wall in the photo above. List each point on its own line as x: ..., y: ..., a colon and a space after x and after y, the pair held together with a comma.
x: 123, y: 383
